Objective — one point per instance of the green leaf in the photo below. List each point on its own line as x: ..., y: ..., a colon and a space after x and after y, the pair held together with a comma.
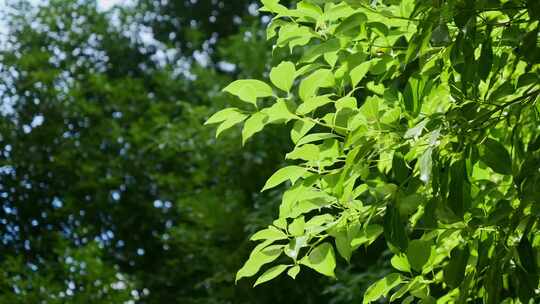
x: 291, y: 173
x: 321, y: 259
x: 408, y: 300
x: 394, y: 229
x: 425, y: 165
x: 308, y: 152
x: 315, y: 137
x: 418, y: 254
x: 271, y: 274
x: 530, y: 47
x: 280, y: 223
x: 347, y: 102
x: 526, y: 285
x: 416, y: 131
x: 343, y: 243
x: 463, y: 11
x: 334, y: 12
x: 295, y: 245
x: 382, y: 287
x: 359, y: 72
x: 313, y: 200
x: 309, y: 11
x: 231, y: 121
x: 367, y: 235
x: 527, y: 256
x: 312, y: 103
x: 259, y: 257
x: 378, y: 67
x: 253, y: 125
x: 533, y: 8
x: 272, y: 28
x: 412, y: 285
x: 296, y: 228
x: 300, y: 129
x: 486, y: 59
x: 316, y: 51
x: 459, y: 196
x: 454, y: 272
x: 293, y: 271
x: 400, y: 262
x: 370, y: 108
x: 502, y: 212
x: 351, y: 26
x: 281, y: 111
x: 249, y: 90
x: 495, y: 155
x: 440, y: 36
x: 379, y: 28
x: 318, y: 222
x: 408, y: 204
x: 270, y: 233
x: 300, y: 190
x: 416, y: 89
x: 309, y: 87
x: 222, y: 115
x: 274, y: 7
x: 282, y: 76
x: 294, y: 35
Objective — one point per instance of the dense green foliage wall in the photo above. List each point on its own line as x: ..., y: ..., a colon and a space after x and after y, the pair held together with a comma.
x: 416, y: 122
x: 111, y: 189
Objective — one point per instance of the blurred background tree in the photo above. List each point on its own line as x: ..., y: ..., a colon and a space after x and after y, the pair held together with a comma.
x: 111, y: 190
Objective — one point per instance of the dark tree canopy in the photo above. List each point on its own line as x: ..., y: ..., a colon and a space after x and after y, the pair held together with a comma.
x: 111, y: 189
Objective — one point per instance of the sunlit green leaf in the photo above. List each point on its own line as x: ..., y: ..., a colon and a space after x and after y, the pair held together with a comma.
x: 249, y: 90
x: 312, y: 104
x: 296, y: 228
x: 254, y: 124
x: 321, y: 259
x: 291, y: 173
x: 381, y: 287
x: 270, y: 233
x: 258, y: 258
x: 301, y: 128
x: 270, y: 274
x: 358, y: 73
x: 401, y: 263
x: 282, y: 76
x: 223, y: 115
x: 309, y: 87
x: 293, y: 271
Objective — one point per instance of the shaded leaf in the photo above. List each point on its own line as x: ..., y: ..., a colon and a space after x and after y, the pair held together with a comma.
x: 454, y: 271
x: 495, y: 155
x: 418, y: 254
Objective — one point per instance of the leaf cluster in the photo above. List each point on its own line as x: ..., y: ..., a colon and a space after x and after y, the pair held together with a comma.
x: 414, y: 121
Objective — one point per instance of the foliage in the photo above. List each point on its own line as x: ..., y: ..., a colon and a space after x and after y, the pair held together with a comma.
x: 104, y: 161
x: 415, y: 121
x: 81, y: 276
